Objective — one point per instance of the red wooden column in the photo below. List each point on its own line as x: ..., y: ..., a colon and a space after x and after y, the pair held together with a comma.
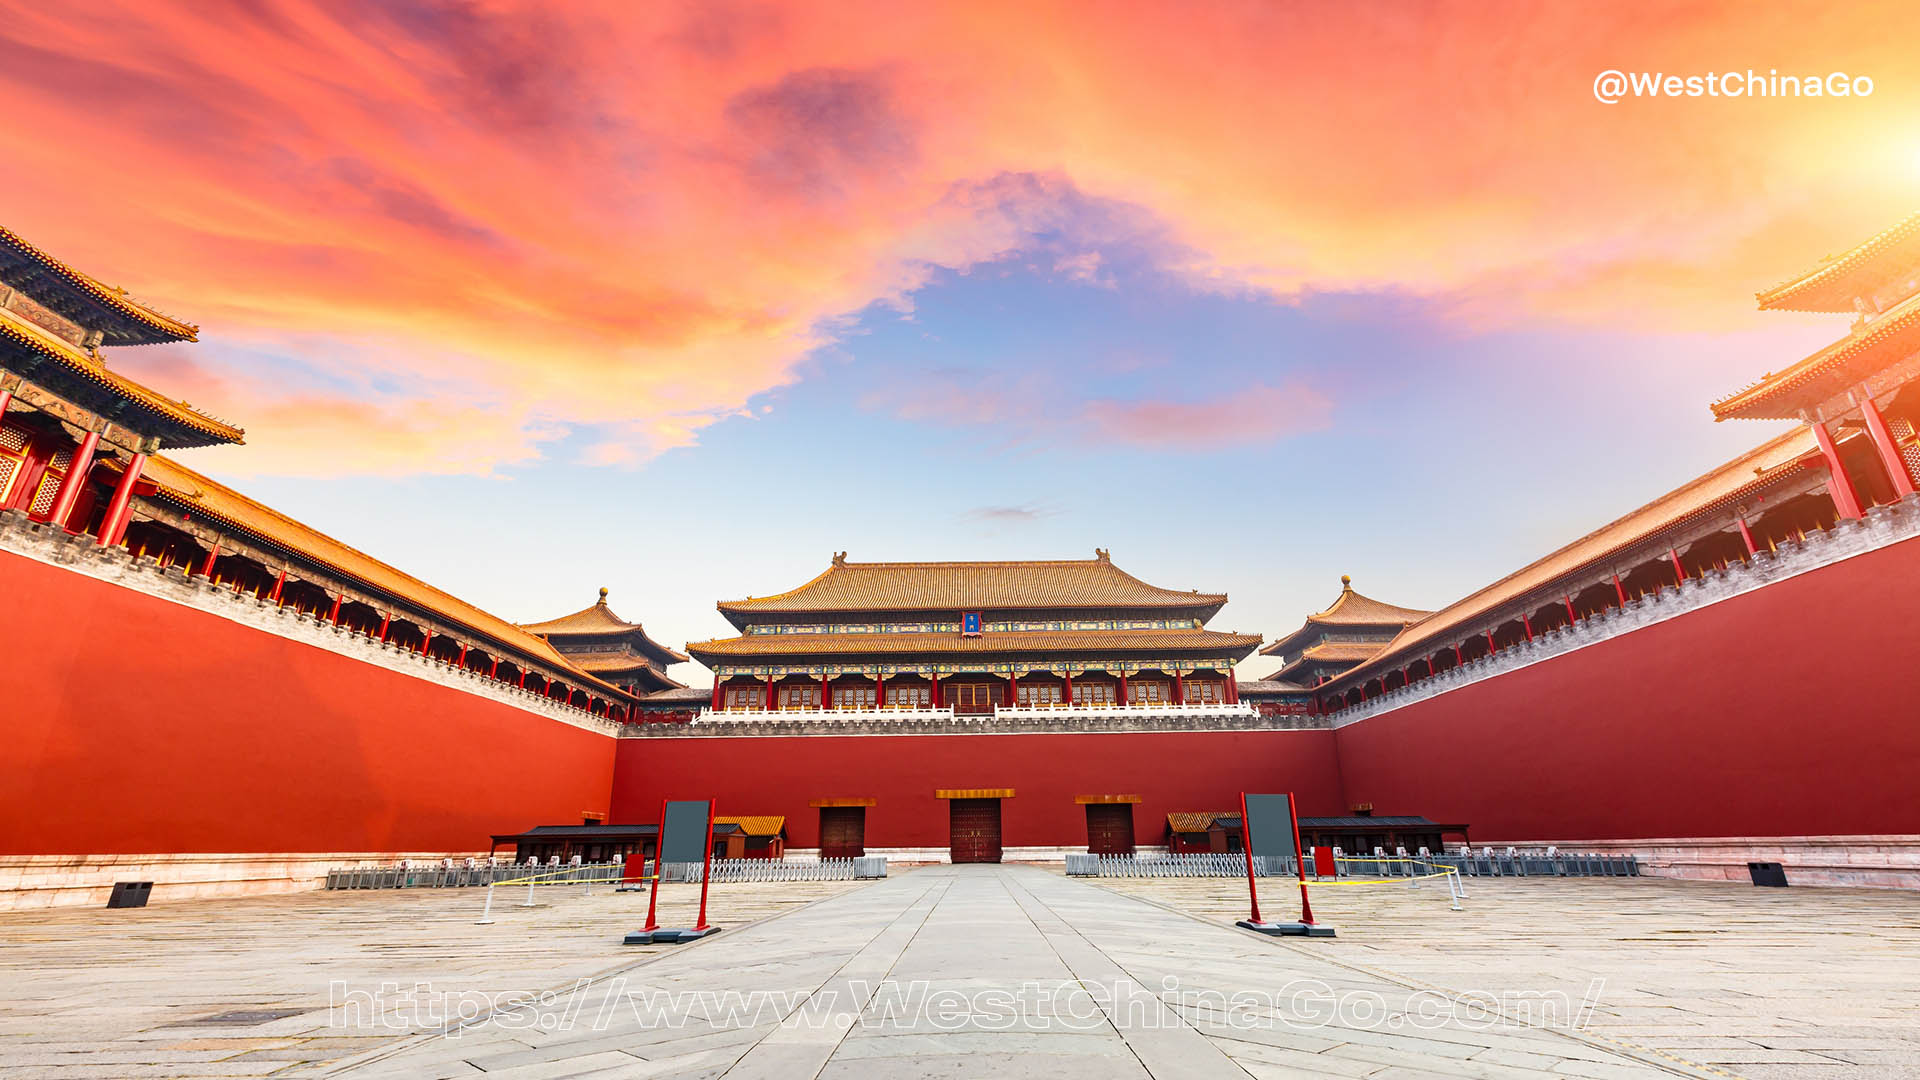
x: 1527, y: 625
x: 1883, y: 441
x: 1013, y: 689
x: 1746, y: 535
x: 1067, y: 694
x: 281, y: 583
x: 769, y: 693
x: 1179, y: 688
x: 334, y: 615
x: 1571, y: 617
x: 213, y: 557
x: 386, y: 623
x: 75, y: 479
x: 716, y: 693
x: 1620, y: 590
x: 114, y: 525
x: 1846, y: 502
x: 1123, y: 687
x: 6, y: 400
x: 1233, y: 691
x: 1679, y: 571
x: 826, y: 693
x: 879, y: 691
x: 935, y: 698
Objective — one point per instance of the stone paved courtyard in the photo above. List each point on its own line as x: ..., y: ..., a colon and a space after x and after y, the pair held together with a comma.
x: 978, y: 971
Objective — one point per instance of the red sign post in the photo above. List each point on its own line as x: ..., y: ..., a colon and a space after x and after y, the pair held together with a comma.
x: 1306, y: 927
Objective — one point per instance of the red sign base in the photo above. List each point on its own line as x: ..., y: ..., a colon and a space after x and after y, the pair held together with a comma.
x: 1286, y: 929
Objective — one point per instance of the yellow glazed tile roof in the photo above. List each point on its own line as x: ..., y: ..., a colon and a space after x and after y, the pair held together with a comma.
x: 969, y: 586
x: 754, y: 824
x: 596, y: 621
x: 1833, y: 284
x: 127, y: 322
x: 217, y: 501
x: 24, y: 334
x: 1011, y: 641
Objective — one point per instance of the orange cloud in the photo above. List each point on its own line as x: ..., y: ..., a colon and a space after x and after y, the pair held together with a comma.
x: 632, y: 218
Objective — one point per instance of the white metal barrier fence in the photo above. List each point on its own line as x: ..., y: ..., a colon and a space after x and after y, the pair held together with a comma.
x: 1486, y: 863
x: 730, y: 870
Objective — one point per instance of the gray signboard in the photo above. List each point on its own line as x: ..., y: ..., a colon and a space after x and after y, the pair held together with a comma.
x: 1269, y: 830
x: 684, y: 832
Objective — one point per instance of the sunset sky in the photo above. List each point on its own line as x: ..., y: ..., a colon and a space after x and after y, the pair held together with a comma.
x: 528, y: 299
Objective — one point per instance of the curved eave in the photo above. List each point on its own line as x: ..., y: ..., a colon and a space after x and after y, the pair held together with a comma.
x: 1832, y: 286
x: 122, y: 321
x: 1781, y: 396
x: 72, y: 373
x: 1238, y: 646
x: 1498, y: 599
x: 541, y: 653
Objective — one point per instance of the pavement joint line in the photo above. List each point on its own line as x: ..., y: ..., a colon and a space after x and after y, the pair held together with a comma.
x: 406, y: 1042
x: 1646, y: 1055
x: 1122, y: 968
x: 943, y: 886
x: 1005, y: 887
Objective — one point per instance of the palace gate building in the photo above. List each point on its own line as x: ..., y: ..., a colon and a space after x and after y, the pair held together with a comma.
x: 203, y: 692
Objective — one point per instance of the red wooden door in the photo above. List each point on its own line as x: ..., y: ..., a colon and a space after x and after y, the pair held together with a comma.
x: 843, y: 832
x: 1110, y: 828
x: 976, y: 830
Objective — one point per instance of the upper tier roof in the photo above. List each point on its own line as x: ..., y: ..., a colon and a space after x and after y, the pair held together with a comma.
x: 1005, y: 641
x: 1349, y: 611
x: 87, y: 302
x: 70, y: 372
x: 1886, y: 341
x: 1833, y: 284
x: 214, y: 500
x: 953, y: 587
x: 600, y: 621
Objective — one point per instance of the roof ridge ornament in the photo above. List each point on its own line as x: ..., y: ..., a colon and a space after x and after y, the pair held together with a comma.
x: 839, y: 558
x: 603, y: 596
x: 1101, y: 555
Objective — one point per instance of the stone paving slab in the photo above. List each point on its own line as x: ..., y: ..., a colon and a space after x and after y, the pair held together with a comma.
x: 987, y: 971
x: 1753, y: 982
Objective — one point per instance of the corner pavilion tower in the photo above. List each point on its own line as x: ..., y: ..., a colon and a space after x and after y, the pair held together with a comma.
x: 974, y: 637
x: 598, y: 641
x: 1352, y: 630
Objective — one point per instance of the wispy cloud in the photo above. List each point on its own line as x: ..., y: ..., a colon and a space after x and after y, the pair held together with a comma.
x: 627, y: 220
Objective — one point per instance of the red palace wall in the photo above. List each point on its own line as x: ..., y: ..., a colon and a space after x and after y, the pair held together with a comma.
x: 135, y: 725
x: 1186, y: 770
x: 1792, y: 710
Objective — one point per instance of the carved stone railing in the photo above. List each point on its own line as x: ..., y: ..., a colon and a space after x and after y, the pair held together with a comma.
x: 80, y: 554
x: 1882, y: 526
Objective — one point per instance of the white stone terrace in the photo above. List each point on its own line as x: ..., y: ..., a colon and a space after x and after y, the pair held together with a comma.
x: 1161, y: 716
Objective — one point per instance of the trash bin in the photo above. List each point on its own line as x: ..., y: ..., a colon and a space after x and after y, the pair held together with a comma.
x: 130, y: 894
x: 1768, y: 873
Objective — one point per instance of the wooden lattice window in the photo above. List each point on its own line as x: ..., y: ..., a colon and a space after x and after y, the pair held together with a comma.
x: 971, y: 696
x: 1096, y: 693
x: 1205, y: 691
x: 13, y: 459
x: 746, y: 697
x: 49, y: 489
x: 1040, y: 693
x: 804, y: 696
x: 853, y: 696
x: 909, y: 697
x: 1149, y: 691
